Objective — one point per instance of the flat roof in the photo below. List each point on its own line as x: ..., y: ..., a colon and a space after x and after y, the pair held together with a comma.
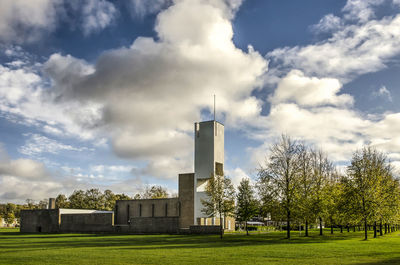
x: 211, y: 121
x: 80, y: 211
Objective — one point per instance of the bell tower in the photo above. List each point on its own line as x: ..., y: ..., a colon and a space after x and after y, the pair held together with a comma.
x: 208, y: 159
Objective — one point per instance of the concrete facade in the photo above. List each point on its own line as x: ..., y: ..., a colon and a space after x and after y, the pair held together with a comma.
x: 125, y: 210
x: 170, y: 215
x: 186, y: 198
x: 208, y: 155
x: 87, y: 222
x: 65, y: 221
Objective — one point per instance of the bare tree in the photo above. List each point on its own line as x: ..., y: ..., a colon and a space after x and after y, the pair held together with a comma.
x: 280, y: 175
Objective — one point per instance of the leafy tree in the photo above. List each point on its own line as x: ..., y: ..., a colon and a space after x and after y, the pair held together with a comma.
x: 43, y: 204
x: 246, y: 203
x: 94, y: 199
x: 62, y: 201
x: 365, y: 185
x: 305, y: 192
x: 9, y: 218
x: 77, y: 200
x: 321, y: 171
x: 280, y: 175
x: 220, y: 200
x: 154, y: 192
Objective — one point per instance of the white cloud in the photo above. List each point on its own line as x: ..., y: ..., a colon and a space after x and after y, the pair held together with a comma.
x: 110, y: 168
x: 152, y: 92
x: 307, y: 91
x: 24, y: 168
x: 141, y: 8
x: 237, y: 175
x: 37, y: 144
x: 23, y: 94
x: 97, y: 15
x: 22, y: 20
x: 353, y: 50
x: 328, y: 23
x: 383, y: 92
x: 361, y: 10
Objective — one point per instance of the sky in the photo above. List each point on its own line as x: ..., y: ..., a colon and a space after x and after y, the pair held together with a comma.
x: 104, y: 94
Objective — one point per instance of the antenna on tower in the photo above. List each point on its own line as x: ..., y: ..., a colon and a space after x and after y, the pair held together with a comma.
x: 214, y: 107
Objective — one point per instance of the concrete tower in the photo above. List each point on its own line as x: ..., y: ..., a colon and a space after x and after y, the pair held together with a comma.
x: 208, y: 159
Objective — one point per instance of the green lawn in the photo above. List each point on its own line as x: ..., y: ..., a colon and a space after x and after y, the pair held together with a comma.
x: 271, y: 248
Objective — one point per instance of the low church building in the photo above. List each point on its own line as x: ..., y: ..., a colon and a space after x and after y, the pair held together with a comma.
x: 170, y: 215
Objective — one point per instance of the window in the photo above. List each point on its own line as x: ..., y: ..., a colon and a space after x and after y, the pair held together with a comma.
x: 140, y: 210
x: 152, y: 210
x: 219, y: 169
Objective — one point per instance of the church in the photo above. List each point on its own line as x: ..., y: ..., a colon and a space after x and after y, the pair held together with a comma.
x: 170, y: 215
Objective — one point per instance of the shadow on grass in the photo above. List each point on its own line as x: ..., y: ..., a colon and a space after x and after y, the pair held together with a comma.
x: 56, y: 241
x: 388, y: 261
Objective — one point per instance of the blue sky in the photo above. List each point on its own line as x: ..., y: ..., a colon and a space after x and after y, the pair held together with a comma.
x: 104, y: 94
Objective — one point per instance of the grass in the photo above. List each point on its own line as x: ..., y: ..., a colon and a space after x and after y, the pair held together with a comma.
x: 270, y: 248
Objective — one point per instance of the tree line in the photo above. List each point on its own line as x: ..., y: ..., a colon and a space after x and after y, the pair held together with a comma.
x: 80, y: 199
x: 299, y: 185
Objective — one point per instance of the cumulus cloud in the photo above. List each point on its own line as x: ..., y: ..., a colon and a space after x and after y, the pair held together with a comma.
x: 153, y: 91
x: 22, y: 21
x: 307, y: 91
x: 24, y: 94
x: 28, y: 21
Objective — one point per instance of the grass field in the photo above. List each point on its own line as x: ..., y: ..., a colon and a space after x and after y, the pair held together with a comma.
x: 271, y: 248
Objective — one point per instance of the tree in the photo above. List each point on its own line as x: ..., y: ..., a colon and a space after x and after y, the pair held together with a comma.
x: 94, y: 199
x: 305, y: 193
x: 43, y: 204
x: 321, y: 171
x: 220, y: 200
x: 77, y: 200
x: 246, y: 203
x: 365, y: 184
x: 280, y: 175
x: 154, y: 192
x: 62, y: 201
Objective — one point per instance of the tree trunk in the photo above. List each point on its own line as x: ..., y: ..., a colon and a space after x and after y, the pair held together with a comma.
x: 374, y: 229
x: 348, y: 228
x: 354, y: 228
x: 306, y: 227
x: 341, y: 228
x: 380, y: 229
x: 365, y: 229
x: 385, y: 228
x: 288, y: 225
x: 247, y: 230
x: 320, y: 226
x: 331, y: 225
x: 221, y: 221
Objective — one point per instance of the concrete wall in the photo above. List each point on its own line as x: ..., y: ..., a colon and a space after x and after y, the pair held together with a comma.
x: 144, y: 208
x: 209, y: 149
x: 98, y: 222
x: 186, y: 198
x: 46, y: 221
x: 145, y: 225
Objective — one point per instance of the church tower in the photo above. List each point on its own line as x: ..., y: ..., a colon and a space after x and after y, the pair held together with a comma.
x: 208, y: 160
